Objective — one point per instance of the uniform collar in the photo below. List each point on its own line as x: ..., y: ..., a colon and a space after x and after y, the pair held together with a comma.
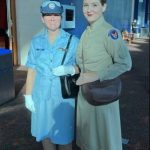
x: 62, y: 33
x: 96, y: 24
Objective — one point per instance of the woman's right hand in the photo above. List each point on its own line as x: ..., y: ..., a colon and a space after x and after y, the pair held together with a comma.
x: 87, y: 77
x: 63, y: 70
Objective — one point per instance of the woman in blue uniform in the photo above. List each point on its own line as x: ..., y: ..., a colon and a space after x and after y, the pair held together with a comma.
x: 52, y: 117
x: 105, y: 57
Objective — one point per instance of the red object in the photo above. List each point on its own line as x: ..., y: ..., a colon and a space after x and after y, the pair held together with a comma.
x: 3, y: 15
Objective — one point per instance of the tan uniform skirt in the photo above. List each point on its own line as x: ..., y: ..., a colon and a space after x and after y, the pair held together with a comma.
x: 98, y: 127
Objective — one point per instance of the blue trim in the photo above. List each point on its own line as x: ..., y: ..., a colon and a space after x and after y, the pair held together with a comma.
x: 5, y: 51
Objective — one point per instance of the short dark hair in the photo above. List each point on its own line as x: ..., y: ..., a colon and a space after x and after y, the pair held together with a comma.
x: 103, y: 1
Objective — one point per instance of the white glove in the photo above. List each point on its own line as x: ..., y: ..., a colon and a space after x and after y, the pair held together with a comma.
x: 29, y: 104
x: 63, y: 70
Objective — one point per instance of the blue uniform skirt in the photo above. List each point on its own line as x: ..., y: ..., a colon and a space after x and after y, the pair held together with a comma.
x: 53, y: 120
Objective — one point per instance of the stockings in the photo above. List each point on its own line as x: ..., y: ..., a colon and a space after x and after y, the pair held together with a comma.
x: 47, y: 145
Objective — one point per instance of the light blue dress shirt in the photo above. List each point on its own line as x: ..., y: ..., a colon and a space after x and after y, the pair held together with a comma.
x: 54, y: 117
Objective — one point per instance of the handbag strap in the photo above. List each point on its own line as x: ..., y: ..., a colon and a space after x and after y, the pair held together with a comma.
x: 66, y: 49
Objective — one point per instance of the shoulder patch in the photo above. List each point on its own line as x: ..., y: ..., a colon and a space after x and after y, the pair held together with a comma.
x: 113, y: 34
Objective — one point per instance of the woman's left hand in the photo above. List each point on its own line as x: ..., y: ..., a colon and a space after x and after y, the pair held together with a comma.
x: 87, y: 77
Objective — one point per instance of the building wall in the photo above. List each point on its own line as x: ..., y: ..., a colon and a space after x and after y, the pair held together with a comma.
x: 118, y: 13
x: 28, y: 23
x: 81, y: 22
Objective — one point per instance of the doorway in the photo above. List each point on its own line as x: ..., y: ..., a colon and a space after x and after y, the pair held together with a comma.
x: 4, y: 40
x: 13, y: 40
x: 8, y: 32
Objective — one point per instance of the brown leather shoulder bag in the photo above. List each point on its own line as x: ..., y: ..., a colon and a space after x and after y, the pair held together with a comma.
x: 101, y: 92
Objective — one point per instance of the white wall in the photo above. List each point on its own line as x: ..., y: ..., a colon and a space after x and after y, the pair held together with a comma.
x: 28, y: 24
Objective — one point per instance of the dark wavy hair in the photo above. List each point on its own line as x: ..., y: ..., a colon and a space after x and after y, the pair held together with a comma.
x: 103, y: 1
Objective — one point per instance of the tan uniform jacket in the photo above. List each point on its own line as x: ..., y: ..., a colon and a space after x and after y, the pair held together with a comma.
x: 98, y: 127
x: 103, y: 52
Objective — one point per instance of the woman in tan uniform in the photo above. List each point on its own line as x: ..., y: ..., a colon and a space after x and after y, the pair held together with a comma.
x: 105, y: 57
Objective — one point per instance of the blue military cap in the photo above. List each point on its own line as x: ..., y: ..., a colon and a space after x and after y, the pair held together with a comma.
x: 51, y: 7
